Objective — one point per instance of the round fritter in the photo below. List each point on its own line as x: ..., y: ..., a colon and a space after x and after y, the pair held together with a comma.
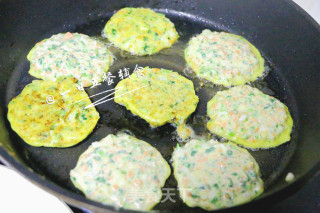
x: 70, y: 54
x: 52, y: 114
x: 158, y: 96
x: 122, y: 171
x: 140, y: 31
x: 223, y: 58
x: 249, y: 117
x: 214, y: 175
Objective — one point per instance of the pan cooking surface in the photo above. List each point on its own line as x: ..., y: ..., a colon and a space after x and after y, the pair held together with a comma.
x: 56, y: 163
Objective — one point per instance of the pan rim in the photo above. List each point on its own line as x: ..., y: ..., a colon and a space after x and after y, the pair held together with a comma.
x: 75, y: 199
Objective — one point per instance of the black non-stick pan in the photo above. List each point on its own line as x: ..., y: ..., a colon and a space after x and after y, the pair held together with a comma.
x: 287, y: 37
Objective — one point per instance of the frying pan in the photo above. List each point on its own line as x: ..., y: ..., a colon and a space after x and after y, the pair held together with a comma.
x: 288, y: 38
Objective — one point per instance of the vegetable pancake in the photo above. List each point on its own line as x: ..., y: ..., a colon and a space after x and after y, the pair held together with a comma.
x: 249, y: 117
x: 158, y: 96
x: 214, y: 175
x: 70, y: 54
x: 223, y: 58
x: 122, y: 171
x: 52, y: 114
x: 140, y: 31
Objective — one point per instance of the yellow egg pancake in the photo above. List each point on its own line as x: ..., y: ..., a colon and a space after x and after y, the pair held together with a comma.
x: 247, y: 116
x: 140, y: 31
x: 70, y: 54
x: 158, y: 96
x: 122, y: 171
x: 214, y: 175
x: 224, y: 58
x: 52, y: 113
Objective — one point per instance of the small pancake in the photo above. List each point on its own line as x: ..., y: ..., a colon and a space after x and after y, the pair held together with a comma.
x: 159, y: 96
x: 121, y: 171
x: 140, y: 31
x: 249, y: 117
x: 70, y: 54
x: 41, y: 116
x: 214, y: 175
x: 224, y: 58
